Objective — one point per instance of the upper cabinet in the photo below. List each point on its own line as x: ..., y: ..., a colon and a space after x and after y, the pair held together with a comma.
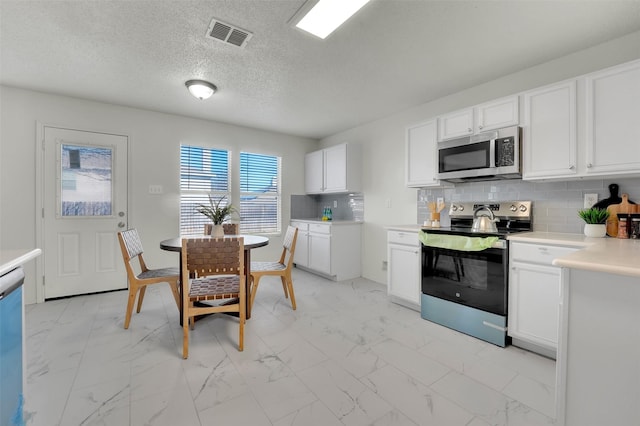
x: 333, y: 170
x: 559, y: 143
x: 549, y: 132
x: 613, y: 120
x: 421, y: 155
x: 481, y: 118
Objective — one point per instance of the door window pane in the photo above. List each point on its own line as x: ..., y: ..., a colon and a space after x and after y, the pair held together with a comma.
x: 85, y: 181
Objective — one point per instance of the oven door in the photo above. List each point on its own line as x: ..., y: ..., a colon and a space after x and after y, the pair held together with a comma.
x: 477, y: 279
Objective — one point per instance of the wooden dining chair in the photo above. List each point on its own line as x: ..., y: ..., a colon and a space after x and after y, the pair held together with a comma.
x: 212, y: 270
x: 281, y: 268
x: 131, y: 248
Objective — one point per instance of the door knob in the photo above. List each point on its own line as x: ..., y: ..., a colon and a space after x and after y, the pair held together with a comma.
x: 121, y: 224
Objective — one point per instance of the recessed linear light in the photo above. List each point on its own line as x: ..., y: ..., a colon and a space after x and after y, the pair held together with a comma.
x: 327, y: 15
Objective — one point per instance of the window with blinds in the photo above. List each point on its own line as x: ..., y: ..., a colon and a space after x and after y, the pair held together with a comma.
x: 203, y: 172
x: 259, y: 193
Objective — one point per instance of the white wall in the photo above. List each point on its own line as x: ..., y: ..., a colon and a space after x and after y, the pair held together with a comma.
x: 383, y: 140
x: 154, y: 159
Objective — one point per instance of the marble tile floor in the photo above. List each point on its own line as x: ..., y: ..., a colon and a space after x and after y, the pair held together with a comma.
x: 346, y: 356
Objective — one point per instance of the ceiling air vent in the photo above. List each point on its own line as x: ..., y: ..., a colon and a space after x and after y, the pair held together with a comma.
x: 228, y: 33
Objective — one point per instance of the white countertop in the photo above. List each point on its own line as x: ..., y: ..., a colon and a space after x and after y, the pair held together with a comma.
x: 329, y: 222
x: 11, y: 259
x: 610, y: 255
x: 406, y: 228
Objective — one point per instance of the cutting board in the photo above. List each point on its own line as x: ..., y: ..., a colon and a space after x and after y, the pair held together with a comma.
x: 624, y: 207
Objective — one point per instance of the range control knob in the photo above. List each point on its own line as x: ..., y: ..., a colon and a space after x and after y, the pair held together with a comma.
x: 454, y: 208
x: 523, y: 208
x: 513, y: 208
x: 461, y: 208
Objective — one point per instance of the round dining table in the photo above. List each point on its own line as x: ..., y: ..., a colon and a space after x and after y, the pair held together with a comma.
x: 250, y: 242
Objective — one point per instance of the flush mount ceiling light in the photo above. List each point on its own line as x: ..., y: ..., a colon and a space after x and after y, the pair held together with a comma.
x: 201, y: 89
x: 323, y: 17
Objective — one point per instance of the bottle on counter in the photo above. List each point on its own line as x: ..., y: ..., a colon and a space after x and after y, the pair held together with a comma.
x: 329, y: 214
x: 325, y: 213
x: 635, y: 226
x: 623, y: 225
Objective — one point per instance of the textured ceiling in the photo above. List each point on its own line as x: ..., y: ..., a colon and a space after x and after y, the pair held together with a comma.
x: 394, y: 54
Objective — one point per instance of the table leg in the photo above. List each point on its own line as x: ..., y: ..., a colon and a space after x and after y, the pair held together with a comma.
x: 247, y: 279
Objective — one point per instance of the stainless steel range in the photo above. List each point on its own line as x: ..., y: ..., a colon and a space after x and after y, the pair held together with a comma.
x: 465, y: 268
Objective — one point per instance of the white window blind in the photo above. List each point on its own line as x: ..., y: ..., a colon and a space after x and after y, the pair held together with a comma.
x: 259, y: 193
x: 203, y: 172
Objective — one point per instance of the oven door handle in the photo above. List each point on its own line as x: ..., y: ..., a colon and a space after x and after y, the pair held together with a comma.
x: 497, y: 327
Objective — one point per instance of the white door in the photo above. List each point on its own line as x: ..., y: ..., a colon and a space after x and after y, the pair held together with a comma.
x: 84, y: 190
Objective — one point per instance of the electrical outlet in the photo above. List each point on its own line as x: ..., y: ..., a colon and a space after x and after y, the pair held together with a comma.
x: 335, y: 204
x: 590, y: 200
x: 440, y: 200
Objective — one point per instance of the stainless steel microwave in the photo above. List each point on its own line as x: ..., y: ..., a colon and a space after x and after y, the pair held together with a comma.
x: 485, y: 156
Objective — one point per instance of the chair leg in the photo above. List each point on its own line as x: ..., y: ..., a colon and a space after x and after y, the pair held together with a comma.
x: 185, y: 332
x: 133, y: 289
x: 141, y: 297
x: 286, y: 280
x: 242, y: 316
x: 284, y: 287
x: 176, y: 295
x: 254, y: 289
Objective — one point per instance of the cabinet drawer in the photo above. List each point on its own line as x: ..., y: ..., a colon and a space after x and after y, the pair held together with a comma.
x: 538, y: 253
x: 302, y: 226
x: 403, y: 237
x: 319, y: 228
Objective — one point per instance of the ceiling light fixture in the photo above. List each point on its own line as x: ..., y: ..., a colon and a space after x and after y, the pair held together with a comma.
x: 201, y: 89
x: 327, y: 15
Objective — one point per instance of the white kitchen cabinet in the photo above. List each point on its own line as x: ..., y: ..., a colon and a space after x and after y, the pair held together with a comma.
x: 301, y: 255
x: 329, y: 249
x: 549, y: 132
x: 336, y: 169
x: 613, y: 120
x: 404, y: 268
x: 421, y: 156
x: 534, y: 296
x: 488, y: 116
x: 314, y: 172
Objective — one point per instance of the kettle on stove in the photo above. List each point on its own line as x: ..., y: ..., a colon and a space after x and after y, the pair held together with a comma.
x: 484, y: 223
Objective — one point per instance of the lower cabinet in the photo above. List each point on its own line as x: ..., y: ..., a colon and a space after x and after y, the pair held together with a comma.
x: 404, y: 268
x: 329, y: 249
x: 534, y: 296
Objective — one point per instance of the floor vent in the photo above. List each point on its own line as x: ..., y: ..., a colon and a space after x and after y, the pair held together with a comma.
x: 228, y: 33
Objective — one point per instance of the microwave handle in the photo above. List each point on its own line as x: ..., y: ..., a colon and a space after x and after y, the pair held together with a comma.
x: 492, y: 153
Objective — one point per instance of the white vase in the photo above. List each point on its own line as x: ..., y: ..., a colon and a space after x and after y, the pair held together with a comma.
x: 595, y: 230
x: 217, y: 231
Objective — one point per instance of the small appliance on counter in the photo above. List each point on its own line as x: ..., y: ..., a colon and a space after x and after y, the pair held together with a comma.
x: 465, y: 267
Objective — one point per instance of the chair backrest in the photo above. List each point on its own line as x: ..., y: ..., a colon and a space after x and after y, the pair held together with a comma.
x: 289, y: 245
x: 212, y: 256
x: 131, y: 247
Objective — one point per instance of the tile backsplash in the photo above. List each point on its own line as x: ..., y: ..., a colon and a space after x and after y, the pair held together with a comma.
x: 349, y: 206
x: 555, y: 204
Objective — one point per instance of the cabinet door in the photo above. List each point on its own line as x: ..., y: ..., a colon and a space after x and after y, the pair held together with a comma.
x: 313, y: 172
x: 534, y: 300
x: 301, y: 256
x: 613, y: 120
x: 335, y: 168
x: 320, y: 252
x: 421, y: 155
x: 403, y: 272
x: 497, y: 114
x: 549, y: 132
x: 455, y: 124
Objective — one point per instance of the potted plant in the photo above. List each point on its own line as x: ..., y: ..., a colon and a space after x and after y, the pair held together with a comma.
x: 595, y: 221
x: 218, y: 213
